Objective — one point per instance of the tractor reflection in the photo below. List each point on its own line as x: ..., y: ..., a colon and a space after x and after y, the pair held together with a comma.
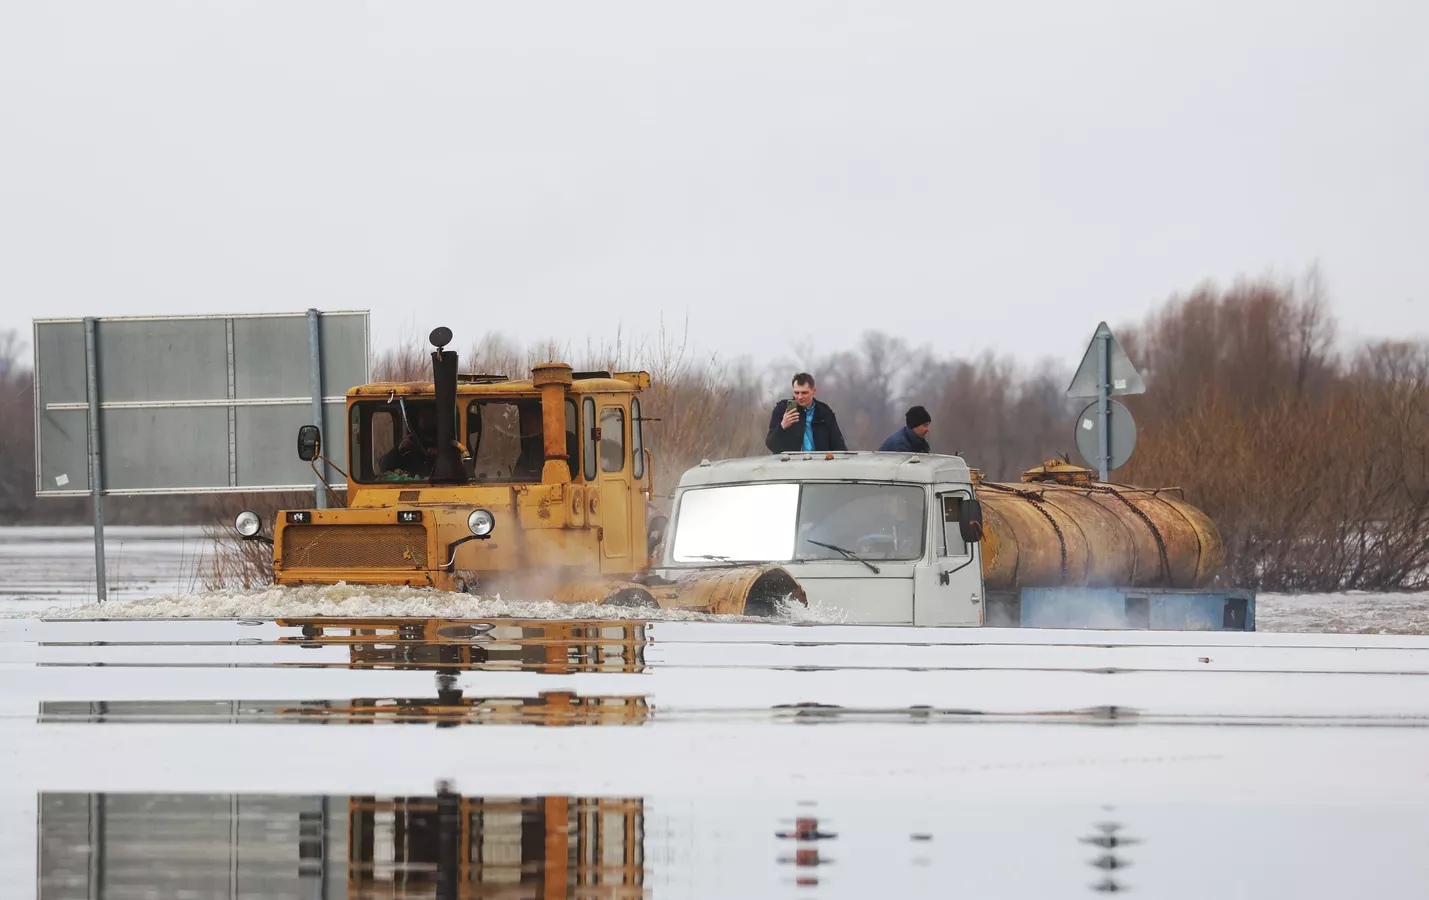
x: 450, y: 646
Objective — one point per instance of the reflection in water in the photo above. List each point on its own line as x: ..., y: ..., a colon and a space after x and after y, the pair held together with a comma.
x: 554, y: 646
x: 444, y: 646
x: 444, y: 846
x: 805, y: 833
x: 1110, y: 841
x: 450, y: 707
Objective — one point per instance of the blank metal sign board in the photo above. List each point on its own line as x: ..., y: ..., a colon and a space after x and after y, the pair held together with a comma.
x: 1122, y: 375
x: 1122, y: 429
x: 191, y: 403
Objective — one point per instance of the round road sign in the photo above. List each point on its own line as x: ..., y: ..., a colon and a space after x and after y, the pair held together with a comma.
x: 1122, y: 430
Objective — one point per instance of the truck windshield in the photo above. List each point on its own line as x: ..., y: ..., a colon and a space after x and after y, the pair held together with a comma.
x: 779, y: 522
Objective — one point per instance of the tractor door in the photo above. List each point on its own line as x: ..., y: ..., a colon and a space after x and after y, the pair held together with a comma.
x: 616, y: 485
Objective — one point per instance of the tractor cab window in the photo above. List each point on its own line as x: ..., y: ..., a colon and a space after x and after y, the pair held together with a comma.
x: 505, y: 439
x: 573, y: 439
x: 393, y: 441
x: 612, y: 439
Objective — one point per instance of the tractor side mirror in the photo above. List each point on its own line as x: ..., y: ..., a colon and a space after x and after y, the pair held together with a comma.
x: 657, y: 532
x: 309, y: 442
x: 970, y: 521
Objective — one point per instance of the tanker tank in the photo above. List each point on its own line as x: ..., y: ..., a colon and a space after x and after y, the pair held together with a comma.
x: 1060, y: 527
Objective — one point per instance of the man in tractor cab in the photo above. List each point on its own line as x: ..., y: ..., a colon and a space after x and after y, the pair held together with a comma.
x: 533, y: 448
x: 416, y: 453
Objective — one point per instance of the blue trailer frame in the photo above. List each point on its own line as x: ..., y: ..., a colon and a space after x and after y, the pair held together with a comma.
x: 1133, y: 609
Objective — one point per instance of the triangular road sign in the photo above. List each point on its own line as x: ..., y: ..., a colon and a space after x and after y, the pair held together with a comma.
x: 1122, y: 375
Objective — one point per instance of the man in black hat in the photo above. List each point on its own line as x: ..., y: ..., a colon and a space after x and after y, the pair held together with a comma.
x: 912, y: 437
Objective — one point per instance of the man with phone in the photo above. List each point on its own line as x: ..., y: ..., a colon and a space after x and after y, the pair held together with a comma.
x: 803, y: 423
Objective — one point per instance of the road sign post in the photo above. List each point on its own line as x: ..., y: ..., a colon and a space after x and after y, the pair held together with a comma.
x: 96, y: 492
x: 1105, y: 372
x: 1104, y: 433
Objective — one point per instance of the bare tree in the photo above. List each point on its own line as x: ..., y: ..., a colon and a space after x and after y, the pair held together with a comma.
x: 17, y: 430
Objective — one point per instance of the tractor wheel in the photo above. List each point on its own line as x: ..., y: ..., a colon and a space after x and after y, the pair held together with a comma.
x: 761, y: 607
x: 631, y: 598
x: 768, y: 590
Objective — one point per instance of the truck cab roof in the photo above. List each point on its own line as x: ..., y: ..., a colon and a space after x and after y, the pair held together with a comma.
x: 850, y: 465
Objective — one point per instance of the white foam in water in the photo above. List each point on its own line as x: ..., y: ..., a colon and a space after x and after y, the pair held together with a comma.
x: 1355, y: 612
x: 366, y: 600
x: 49, y: 571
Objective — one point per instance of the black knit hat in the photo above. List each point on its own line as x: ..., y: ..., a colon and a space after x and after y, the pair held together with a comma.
x: 917, y: 416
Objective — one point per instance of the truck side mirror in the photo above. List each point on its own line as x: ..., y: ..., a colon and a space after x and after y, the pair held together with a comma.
x: 309, y: 441
x: 657, y: 532
x: 970, y: 521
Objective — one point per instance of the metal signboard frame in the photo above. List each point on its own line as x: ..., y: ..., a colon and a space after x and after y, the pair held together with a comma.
x: 187, y: 404
x: 217, y: 408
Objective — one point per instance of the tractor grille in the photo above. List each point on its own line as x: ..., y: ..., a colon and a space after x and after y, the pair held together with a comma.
x: 354, y: 546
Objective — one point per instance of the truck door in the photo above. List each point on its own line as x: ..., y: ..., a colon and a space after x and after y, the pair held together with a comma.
x: 949, y: 591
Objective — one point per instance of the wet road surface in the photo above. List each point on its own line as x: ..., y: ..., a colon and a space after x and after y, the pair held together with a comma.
x: 409, y: 757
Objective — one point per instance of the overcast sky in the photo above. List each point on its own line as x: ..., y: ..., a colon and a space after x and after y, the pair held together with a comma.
x: 967, y: 176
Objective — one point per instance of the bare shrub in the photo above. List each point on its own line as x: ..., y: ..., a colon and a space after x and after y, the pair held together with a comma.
x: 17, y: 430
x: 408, y: 359
x: 1312, y: 467
x: 700, y: 407
x: 237, y: 562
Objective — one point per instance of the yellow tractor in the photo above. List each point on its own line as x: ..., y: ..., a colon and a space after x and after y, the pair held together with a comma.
x: 534, y: 488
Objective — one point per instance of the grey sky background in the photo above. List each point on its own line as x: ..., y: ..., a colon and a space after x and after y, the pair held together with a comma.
x: 967, y: 176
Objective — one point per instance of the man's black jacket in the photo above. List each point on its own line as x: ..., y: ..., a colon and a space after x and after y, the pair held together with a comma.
x: 905, y: 440
x: 791, y: 440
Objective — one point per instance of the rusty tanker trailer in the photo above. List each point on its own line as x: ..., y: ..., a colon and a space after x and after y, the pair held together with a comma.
x: 1060, y: 527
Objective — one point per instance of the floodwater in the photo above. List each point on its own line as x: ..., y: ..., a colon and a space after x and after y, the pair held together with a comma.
x: 440, y: 751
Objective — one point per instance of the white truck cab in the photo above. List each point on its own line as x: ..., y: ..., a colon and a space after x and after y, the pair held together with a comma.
x: 888, y: 538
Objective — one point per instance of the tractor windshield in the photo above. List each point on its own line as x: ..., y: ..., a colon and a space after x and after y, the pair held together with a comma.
x: 790, y: 522
x: 392, y: 441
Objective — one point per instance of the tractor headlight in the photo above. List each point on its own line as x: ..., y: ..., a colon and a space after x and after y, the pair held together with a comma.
x: 481, y: 522
x: 248, y: 523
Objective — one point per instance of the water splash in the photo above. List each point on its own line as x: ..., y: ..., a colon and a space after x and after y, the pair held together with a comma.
x: 345, y: 600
